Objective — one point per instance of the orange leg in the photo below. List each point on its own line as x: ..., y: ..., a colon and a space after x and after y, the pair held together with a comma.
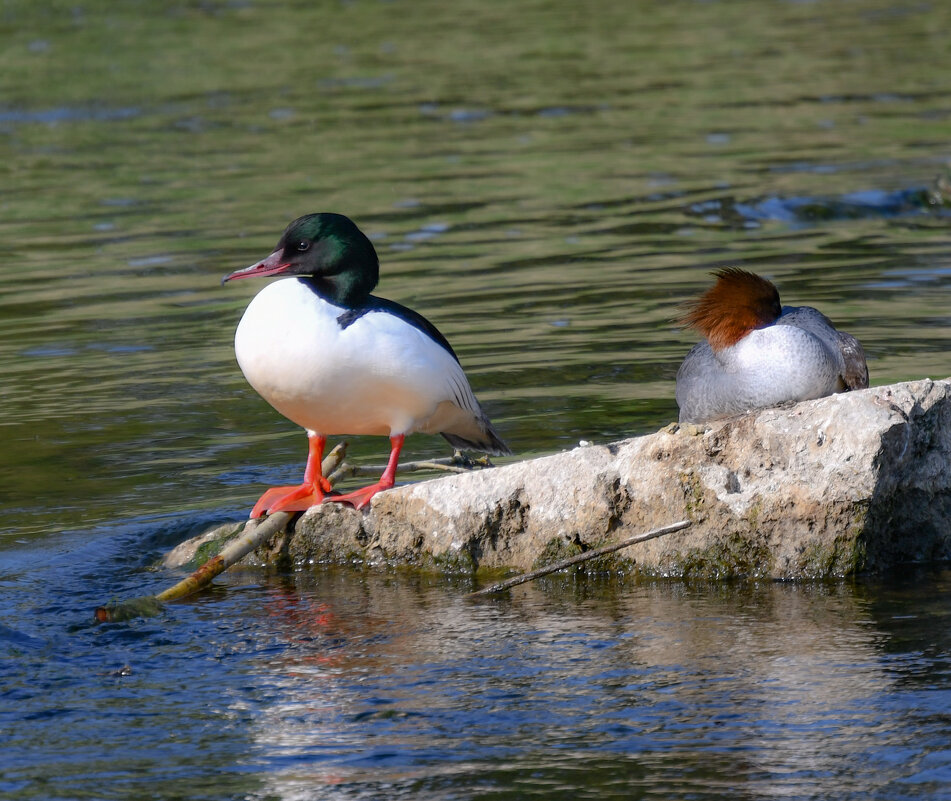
x: 297, y: 499
x: 361, y: 497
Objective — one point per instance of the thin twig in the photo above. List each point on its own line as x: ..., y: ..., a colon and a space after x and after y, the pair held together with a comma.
x: 581, y: 557
x: 347, y: 470
x: 457, y: 463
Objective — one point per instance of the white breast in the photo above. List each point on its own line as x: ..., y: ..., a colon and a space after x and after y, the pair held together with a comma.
x: 378, y: 375
x: 767, y: 367
x: 781, y: 363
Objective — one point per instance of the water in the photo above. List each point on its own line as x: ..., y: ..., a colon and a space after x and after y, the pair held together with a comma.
x: 384, y: 685
x: 546, y: 182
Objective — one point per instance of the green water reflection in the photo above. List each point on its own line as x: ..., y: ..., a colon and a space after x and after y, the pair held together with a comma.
x: 546, y: 181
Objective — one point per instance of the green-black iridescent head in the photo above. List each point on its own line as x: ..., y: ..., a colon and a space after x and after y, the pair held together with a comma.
x: 330, y: 252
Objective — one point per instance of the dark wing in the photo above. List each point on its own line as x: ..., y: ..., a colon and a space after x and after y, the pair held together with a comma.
x: 415, y: 319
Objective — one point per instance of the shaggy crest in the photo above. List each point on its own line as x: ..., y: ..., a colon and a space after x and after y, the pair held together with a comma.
x: 736, y: 304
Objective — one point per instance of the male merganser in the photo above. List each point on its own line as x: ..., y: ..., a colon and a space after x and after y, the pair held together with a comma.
x: 758, y: 353
x: 334, y: 359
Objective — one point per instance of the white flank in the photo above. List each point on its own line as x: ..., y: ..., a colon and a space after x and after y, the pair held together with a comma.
x: 379, y: 375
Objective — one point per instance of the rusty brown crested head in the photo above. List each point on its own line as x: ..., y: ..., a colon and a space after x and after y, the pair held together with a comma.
x: 736, y: 304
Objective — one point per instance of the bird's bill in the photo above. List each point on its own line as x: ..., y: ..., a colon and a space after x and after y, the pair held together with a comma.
x: 272, y: 265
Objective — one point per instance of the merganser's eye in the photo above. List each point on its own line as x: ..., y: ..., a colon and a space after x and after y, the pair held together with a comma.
x: 303, y: 245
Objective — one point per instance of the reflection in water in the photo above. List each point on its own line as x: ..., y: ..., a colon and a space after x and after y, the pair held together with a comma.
x: 773, y: 690
x: 352, y: 684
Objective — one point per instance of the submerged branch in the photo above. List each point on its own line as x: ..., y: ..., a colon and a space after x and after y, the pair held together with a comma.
x: 254, y: 534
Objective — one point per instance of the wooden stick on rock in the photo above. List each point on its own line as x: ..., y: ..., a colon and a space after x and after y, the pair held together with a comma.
x: 579, y: 558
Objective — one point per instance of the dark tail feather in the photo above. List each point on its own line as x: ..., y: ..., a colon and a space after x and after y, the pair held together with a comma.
x: 856, y: 368
x: 490, y: 443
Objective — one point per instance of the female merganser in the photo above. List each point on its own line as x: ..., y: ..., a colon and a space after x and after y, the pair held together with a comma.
x: 335, y: 359
x: 759, y: 353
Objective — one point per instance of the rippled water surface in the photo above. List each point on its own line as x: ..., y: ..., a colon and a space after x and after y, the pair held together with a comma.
x: 546, y: 181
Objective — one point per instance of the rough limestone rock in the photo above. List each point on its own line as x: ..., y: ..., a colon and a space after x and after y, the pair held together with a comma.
x: 853, y: 482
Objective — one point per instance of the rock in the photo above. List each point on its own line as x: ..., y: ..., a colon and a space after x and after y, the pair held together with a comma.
x: 193, y: 552
x: 853, y: 482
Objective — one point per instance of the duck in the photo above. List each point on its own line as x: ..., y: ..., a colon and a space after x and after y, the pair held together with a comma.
x: 757, y: 353
x: 337, y: 360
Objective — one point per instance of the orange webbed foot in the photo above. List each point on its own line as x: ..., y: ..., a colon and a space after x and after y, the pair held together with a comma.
x: 291, y: 499
x: 361, y: 497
